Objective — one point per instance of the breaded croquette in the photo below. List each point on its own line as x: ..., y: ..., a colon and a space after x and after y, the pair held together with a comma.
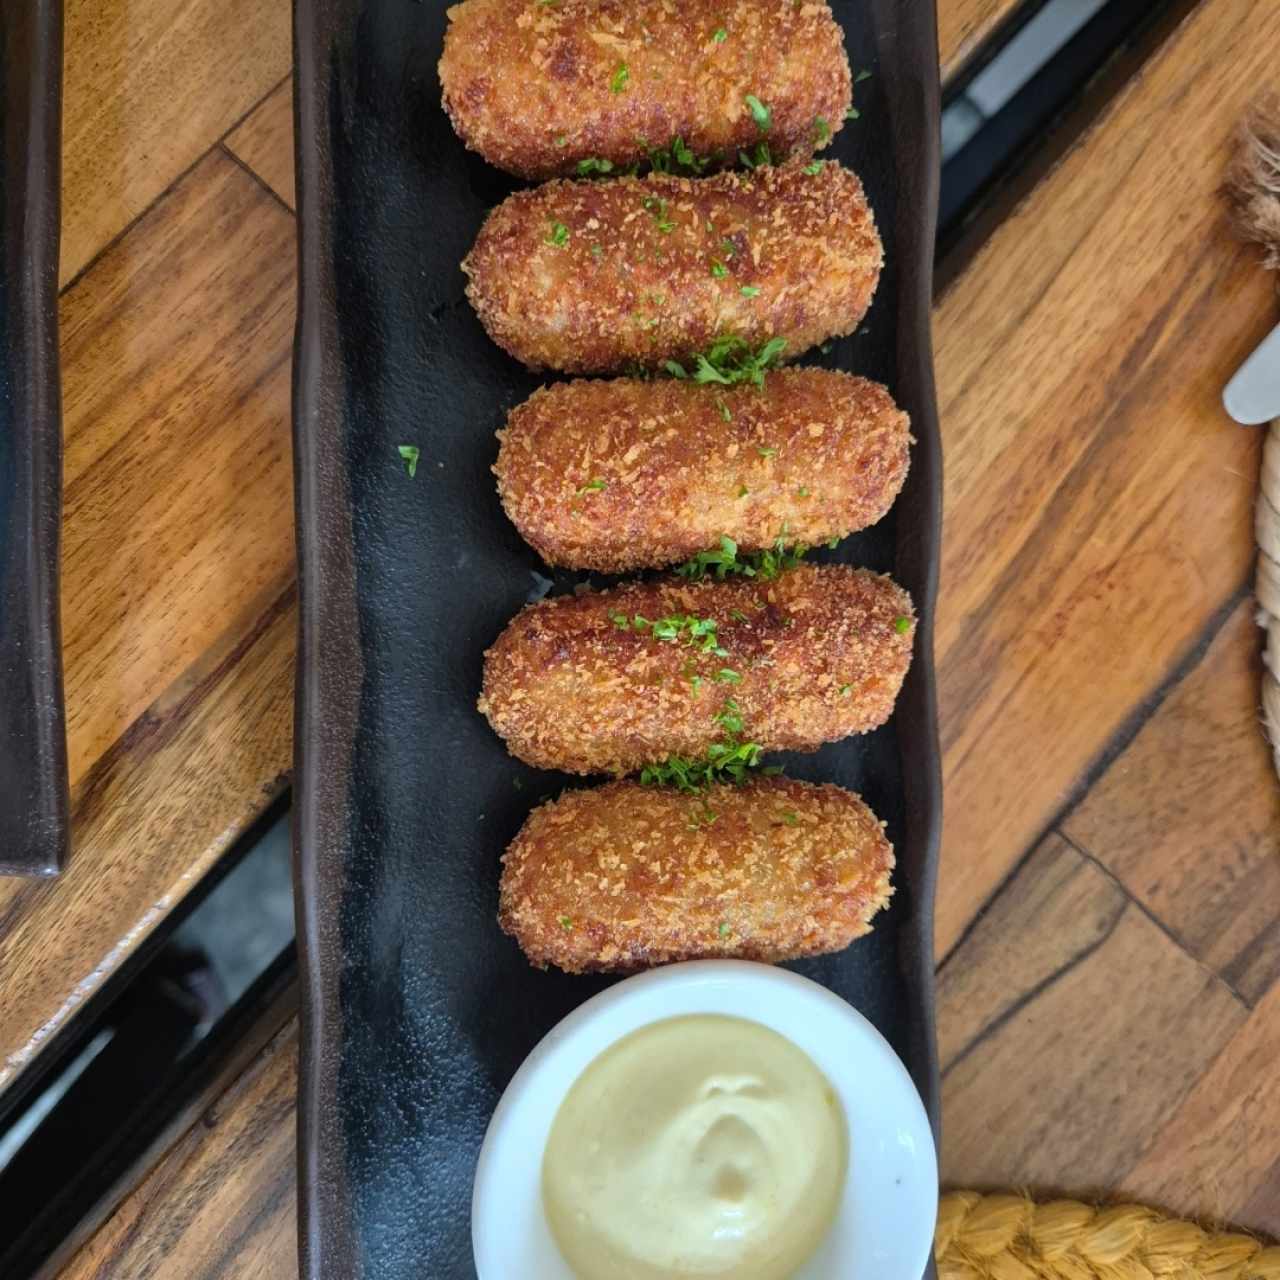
x: 632, y: 473
x: 590, y: 277
x: 625, y: 875
x: 538, y: 87
x: 609, y: 681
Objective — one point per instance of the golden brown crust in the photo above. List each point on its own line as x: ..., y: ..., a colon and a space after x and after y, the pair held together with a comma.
x: 816, y: 654
x: 630, y: 473
x: 590, y: 277
x: 529, y: 84
x: 625, y: 876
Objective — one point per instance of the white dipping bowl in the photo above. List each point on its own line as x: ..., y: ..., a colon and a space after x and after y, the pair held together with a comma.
x: 883, y: 1228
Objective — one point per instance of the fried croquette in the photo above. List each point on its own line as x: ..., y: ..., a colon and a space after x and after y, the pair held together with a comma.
x: 592, y: 277
x: 538, y: 87
x: 632, y: 473
x: 609, y: 681
x: 624, y: 876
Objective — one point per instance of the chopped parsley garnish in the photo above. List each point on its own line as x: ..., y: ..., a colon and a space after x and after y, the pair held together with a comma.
x: 728, y: 247
x: 803, y: 490
x: 729, y: 361
x: 789, y: 817
x: 724, y: 410
x: 737, y: 615
x: 719, y: 35
x: 726, y: 675
x: 718, y: 269
x: 619, y: 79
x: 743, y: 491
x: 562, y: 140
x: 862, y: 75
x: 759, y: 113
x: 725, y: 559
x: 852, y: 114
x: 594, y: 164
x: 597, y: 252
x: 750, y: 291
x: 833, y: 542
x: 565, y: 922
x: 725, y: 929
x: 760, y: 156
x: 593, y: 486
x: 410, y: 453
x: 558, y: 235
x: 705, y: 817
x: 658, y: 207
x: 678, y: 158
x: 729, y: 760
x: 699, y: 632
x: 846, y: 690
x: 811, y: 168
x: 826, y: 348
x: 765, y: 452
x: 902, y: 625
x: 821, y: 131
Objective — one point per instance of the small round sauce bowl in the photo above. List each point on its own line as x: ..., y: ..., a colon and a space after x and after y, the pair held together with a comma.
x: 883, y: 1229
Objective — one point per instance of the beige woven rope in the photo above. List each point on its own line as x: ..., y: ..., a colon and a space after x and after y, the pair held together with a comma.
x: 1008, y: 1237
x: 1253, y: 192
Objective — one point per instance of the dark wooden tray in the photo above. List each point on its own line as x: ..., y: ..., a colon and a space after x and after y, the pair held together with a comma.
x: 417, y: 1009
x: 33, y: 750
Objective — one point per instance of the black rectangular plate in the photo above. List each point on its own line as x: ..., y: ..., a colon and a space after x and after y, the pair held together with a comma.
x: 417, y: 1009
x: 33, y: 752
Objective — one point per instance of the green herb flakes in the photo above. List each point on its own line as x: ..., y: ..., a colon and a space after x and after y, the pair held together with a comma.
x: 594, y: 164
x: 726, y: 675
x: 565, y: 922
x: 558, y: 235
x: 902, y: 625
x: 846, y: 690
x: 821, y: 131
x: 719, y: 35
x: 592, y: 486
x: 618, y: 81
x: 725, y: 929
x: 743, y: 491
x: 750, y: 291
x: 862, y: 75
x: 814, y: 167
x: 759, y: 113
x: 765, y: 452
x: 789, y: 817
x: 718, y: 269
x: 724, y: 410
x: 853, y: 114
x: 725, y: 559
x: 410, y: 453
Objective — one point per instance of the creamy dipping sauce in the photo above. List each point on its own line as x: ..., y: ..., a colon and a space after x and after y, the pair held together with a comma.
x: 695, y: 1147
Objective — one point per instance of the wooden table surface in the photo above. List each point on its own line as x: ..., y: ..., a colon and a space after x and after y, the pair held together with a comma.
x: 1109, y: 907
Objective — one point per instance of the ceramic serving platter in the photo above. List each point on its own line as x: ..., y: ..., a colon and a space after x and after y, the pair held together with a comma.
x: 33, y: 757
x: 418, y: 1010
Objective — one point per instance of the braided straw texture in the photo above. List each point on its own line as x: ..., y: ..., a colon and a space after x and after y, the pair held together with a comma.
x: 1007, y: 1237
x: 1253, y: 196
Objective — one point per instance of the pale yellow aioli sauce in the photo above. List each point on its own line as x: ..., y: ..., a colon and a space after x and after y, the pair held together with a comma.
x: 695, y: 1147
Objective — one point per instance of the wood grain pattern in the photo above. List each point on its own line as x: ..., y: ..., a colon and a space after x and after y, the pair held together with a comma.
x: 177, y: 581
x: 148, y: 88
x: 1218, y: 1156
x: 1069, y: 990
x: 1098, y: 500
x: 221, y: 1203
x: 264, y: 142
x: 1188, y: 817
x: 965, y: 25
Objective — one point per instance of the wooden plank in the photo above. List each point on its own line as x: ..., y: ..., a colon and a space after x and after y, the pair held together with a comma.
x: 1069, y: 1026
x: 177, y: 582
x: 221, y: 1203
x: 1218, y: 1155
x: 1098, y: 500
x: 148, y: 88
x: 965, y: 25
x: 1188, y: 817
x: 264, y: 142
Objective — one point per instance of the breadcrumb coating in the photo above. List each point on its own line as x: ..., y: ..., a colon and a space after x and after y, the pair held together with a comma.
x: 625, y: 876
x: 536, y: 86
x: 592, y: 277
x: 630, y: 473
x: 816, y: 654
